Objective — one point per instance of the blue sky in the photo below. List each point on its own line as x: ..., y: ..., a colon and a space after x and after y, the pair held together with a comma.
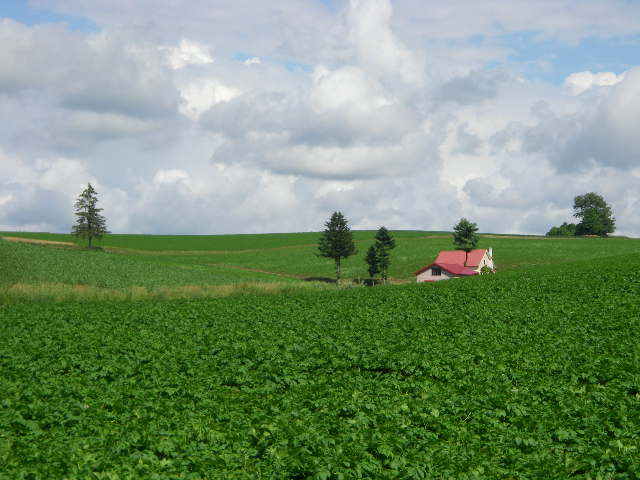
x: 21, y: 11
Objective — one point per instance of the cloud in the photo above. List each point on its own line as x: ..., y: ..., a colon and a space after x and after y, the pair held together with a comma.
x: 377, y: 47
x: 409, y: 114
x: 580, y: 82
x: 202, y: 94
x: 187, y: 53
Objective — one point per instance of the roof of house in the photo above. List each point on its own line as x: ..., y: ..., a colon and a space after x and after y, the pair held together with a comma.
x: 457, y: 262
x: 460, y: 257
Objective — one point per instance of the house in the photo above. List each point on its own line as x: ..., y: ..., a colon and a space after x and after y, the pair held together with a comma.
x: 456, y: 263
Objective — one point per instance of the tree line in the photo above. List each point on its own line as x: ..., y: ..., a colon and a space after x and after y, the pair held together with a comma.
x: 336, y: 241
x: 595, y: 215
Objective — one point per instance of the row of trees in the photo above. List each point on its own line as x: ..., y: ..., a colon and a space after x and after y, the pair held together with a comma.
x: 595, y: 215
x: 337, y: 243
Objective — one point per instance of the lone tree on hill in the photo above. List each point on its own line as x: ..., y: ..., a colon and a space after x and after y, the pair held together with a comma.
x: 337, y: 240
x: 465, y: 236
x: 384, y: 244
x: 89, y: 224
x: 596, y: 217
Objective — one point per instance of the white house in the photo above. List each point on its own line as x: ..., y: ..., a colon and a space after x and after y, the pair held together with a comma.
x: 456, y: 263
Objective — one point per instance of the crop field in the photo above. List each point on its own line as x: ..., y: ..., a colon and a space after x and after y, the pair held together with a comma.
x: 215, y: 243
x: 287, y: 259
x: 532, y: 373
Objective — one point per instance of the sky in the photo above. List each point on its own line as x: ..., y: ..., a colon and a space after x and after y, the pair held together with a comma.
x: 209, y: 116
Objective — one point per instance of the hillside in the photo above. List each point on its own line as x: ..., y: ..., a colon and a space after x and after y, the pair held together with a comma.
x: 268, y: 262
x: 532, y: 373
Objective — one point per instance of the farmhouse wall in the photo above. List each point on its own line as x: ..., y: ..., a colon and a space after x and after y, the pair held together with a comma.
x: 486, y: 261
x: 426, y: 276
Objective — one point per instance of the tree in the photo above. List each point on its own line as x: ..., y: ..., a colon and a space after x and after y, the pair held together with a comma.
x: 564, y: 230
x: 372, y: 261
x: 90, y: 223
x: 384, y: 244
x: 596, y: 217
x: 337, y: 240
x: 465, y: 236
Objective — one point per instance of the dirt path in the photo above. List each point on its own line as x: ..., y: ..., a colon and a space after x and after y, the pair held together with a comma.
x: 37, y: 241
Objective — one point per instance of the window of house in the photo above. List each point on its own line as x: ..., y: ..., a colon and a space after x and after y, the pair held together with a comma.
x: 436, y: 272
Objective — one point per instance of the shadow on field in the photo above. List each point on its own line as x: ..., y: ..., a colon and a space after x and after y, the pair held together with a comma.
x: 319, y: 279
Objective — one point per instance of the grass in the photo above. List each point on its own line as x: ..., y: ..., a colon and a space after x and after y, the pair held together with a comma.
x: 216, y: 243
x: 532, y: 373
x: 67, y: 272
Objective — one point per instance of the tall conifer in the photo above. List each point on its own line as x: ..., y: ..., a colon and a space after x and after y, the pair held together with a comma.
x: 337, y: 240
x: 90, y: 223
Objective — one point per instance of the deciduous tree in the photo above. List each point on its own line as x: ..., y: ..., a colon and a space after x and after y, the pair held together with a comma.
x: 596, y: 217
x: 465, y: 236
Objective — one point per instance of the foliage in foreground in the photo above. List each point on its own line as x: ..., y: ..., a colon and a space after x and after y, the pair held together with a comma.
x: 527, y: 374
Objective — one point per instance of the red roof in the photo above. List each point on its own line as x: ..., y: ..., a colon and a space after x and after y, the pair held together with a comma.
x: 457, y: 262
x: 460, y: 257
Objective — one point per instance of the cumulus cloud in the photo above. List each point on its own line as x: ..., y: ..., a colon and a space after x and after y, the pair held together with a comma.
x: 408, y: 114
x: 580, y: 82
x: 187, y: 53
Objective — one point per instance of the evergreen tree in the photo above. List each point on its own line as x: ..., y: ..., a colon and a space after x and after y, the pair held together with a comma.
x: 372, y: 261
x: 90, y: 223
x: 384, y: 238
x: 384, y: 244
x: 465, y: 236
x: 337, y: 240
x: 596, y: 217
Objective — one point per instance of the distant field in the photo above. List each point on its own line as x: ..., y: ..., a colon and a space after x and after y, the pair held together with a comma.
x: 289, y: 259
x: 531, y: 373
x: 27, y: 265
x: 207, y: 242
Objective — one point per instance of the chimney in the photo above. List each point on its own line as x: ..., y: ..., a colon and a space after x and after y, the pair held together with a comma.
x: 490, y: 252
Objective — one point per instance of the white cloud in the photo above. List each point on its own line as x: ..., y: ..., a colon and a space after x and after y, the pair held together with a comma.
x: 580, y: 82
x: 200, y: 95
x: 377, y: 46
x: 187, y: 53
x: 385, y: 110
x: 170, y: 176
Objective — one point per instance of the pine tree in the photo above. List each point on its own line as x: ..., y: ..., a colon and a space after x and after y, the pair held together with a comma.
x: 90, y: 223
x: 372, y: 261
x: 337, y: 240
x: 384, y: 244
x: 465, y: 236
x: 384, y: 238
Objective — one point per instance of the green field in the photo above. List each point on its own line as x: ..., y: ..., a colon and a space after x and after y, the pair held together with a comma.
x: 533, y: 373
x: 265, y: 259
x: 173, y: 243
x: 530, y: 373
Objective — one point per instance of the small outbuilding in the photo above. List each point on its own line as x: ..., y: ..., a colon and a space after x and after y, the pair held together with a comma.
x: 456, y: 263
